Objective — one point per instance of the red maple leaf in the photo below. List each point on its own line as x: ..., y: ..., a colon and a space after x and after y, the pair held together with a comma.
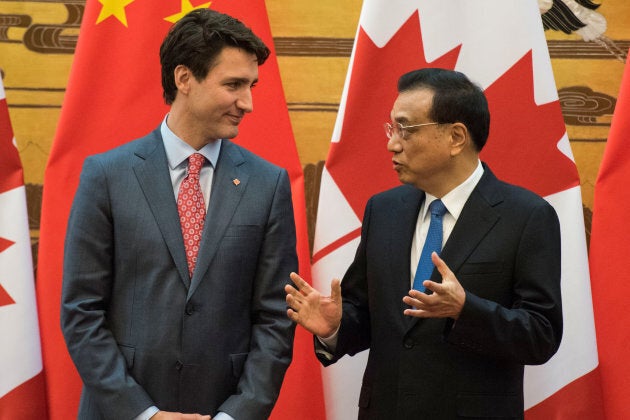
x: 360, y: 163
x: 5, y: 299
x: 522, y: 148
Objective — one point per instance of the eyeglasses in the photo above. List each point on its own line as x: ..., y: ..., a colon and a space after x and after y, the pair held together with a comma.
x: 401, y: 130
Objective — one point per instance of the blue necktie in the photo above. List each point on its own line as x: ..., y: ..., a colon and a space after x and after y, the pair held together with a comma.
x: 432, y: 243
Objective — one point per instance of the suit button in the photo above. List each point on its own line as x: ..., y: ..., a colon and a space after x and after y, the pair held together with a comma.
x: 408, y: 343
x: 190, y: 308
x: 179, y: 365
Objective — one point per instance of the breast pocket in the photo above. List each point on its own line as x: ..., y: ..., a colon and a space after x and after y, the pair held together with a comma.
x: 481, y: 268
x: 487, y: 279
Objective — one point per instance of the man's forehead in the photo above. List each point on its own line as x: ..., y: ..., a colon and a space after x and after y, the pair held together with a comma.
x: 412, y: 104
x: 236, y: 64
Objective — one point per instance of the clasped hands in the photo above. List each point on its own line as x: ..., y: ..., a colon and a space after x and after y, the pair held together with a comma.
x: 167, y: 415
x: 321, y: 315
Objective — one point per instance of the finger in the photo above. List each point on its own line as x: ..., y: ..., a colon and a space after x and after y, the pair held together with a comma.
x: 418, y: 313
x: 416, y: 294
x: 293, y: 316
x: 411, y: 301
x: 418, y: 303
x: 431, y: 286
x: 335, y: 290
x: 301, y: 284
x: 293, y: 302
x: 290, y: 290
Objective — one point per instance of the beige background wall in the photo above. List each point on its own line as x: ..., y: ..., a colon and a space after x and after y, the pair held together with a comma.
x: 313, y: 41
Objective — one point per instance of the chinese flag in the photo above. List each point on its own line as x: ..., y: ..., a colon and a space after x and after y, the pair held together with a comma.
x: 114, y: 95
x: 22, y: 391
x: 499, y: 44
x: 610, y: 241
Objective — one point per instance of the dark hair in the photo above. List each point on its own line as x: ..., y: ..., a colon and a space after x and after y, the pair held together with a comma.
x: 197, y: 39
x: 455, y: 99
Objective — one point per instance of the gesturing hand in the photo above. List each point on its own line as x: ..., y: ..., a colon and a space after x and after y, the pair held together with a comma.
x: 447, y: 299
x: 320, y: 315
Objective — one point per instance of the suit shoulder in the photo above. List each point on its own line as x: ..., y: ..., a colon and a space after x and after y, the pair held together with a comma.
x: 495, y: 190
x: 522, y: 196
x: 401, y: 191
x: 129, y: 148
x: 239, y: 153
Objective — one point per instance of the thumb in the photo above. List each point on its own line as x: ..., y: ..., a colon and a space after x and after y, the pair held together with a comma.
x: 441, y: 265
x: 335, y: 290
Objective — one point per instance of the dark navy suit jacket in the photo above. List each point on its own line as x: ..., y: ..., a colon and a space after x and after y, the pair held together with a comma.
x: 505, y: 251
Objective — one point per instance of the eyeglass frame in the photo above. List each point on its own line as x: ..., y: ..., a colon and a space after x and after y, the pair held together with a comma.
x: 401, y: 128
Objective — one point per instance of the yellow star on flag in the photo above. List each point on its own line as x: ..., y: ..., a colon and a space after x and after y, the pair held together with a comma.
x: 115, y: 8
x: 186, y: 7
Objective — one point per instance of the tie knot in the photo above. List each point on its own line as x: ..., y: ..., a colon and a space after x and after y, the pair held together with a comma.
x: 437, y: 208
x: 195, y: 162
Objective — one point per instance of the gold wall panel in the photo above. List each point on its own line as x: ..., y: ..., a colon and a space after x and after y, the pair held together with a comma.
x: 313, y: 40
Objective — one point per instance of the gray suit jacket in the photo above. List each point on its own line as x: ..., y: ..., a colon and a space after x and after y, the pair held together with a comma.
x: 139, y: 330
x: 505, y: 251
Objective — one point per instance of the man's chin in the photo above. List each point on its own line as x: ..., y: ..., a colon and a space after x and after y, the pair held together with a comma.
x: 230, y: 133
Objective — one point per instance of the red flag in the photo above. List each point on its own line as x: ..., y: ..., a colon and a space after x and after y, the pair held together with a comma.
x: 500, y: 45
x: 22, y: 392
x: 610, y: 274
x: 114, y: 95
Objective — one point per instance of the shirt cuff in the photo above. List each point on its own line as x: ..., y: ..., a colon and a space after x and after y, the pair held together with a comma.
x: 330, y: 342
x: 147, y: 414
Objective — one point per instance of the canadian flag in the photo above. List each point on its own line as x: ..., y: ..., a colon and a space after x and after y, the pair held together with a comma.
x: 21, y: 379
x: 500, y: 45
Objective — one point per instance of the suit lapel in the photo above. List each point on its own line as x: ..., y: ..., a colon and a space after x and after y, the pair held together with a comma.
x: 475, y: 221
x: 152, y: 172
x: 228, y: 185
x: 401, y: 238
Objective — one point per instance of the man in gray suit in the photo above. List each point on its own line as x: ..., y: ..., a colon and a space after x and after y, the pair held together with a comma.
x: 165, y: 328
x: 452, y: 343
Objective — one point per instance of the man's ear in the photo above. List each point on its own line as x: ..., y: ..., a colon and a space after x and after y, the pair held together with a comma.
x: 183, y: 76
x: 459, y: 138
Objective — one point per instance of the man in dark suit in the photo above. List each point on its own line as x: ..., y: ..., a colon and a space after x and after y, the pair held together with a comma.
x: 165, y: 328
x: 455, y: 345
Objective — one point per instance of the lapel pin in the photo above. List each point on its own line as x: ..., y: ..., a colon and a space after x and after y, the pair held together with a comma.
x: 236, y: 181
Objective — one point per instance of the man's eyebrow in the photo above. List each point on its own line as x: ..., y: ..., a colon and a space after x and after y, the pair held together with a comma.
x: 242, y: 80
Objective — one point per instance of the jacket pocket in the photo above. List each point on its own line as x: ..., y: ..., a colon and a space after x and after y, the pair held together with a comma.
x: 508, y: 406
x: 128, y: 353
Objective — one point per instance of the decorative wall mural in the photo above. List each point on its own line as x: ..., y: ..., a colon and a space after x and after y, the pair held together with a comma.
x: 588, y: 43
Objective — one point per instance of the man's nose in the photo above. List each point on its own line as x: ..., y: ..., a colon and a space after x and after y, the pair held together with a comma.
x: 245, y: 100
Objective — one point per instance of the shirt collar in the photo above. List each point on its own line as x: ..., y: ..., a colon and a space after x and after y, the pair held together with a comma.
x: 177, y: 150
x: 455, y: 200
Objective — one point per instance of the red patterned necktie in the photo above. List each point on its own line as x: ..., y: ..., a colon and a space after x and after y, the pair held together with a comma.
x: 192, y: 209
